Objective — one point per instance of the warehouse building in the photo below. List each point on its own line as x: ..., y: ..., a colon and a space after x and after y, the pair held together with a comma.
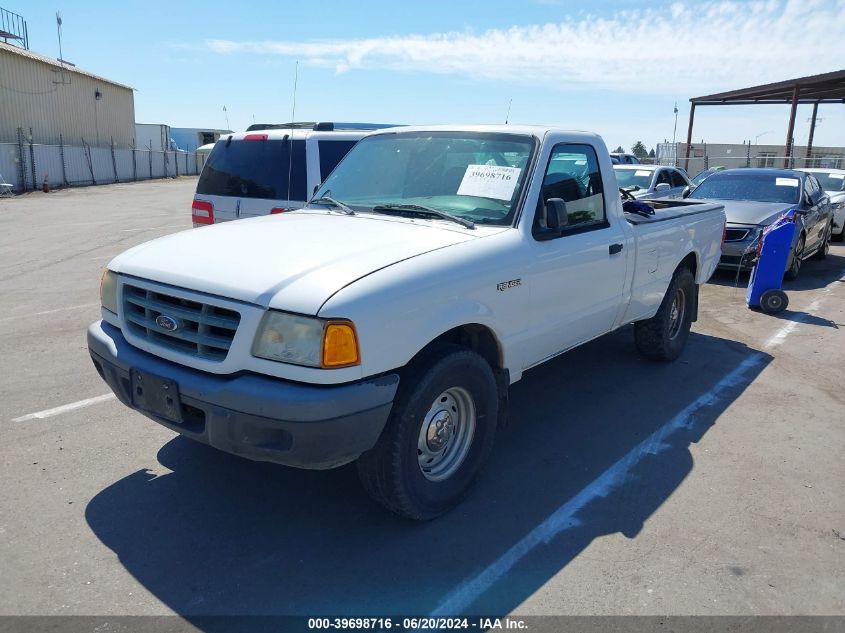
x: 57, y: 100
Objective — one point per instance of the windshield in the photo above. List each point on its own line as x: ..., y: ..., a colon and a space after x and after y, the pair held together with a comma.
x: 255, y: 169
x: 701, y: 176
x: 628, y: 178
x: 759, y: 187
x: 831, y: 181
x: 474, y: 176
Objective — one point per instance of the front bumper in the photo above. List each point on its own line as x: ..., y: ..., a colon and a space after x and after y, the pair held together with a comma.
x: 738, y: 255
x: 253, y: 416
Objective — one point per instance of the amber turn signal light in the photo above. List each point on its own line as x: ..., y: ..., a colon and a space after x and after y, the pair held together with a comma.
x: 340, y: 345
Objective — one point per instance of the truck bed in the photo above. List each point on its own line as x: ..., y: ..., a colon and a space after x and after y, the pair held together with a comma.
x: 670, y: 209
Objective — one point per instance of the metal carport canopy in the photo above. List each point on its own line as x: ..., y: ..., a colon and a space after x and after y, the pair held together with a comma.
x: 815, y: 89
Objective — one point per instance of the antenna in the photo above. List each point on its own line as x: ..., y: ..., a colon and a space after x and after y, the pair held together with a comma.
x: 226, y: 112
x: 508, y: 115
x: 292, y: 121
x: 59, y: 31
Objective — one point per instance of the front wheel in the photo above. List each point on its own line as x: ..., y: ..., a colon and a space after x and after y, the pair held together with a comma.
x: 824, y: 249
x: 439, y: 434
x: 663, y: 336
x: 794, y: 269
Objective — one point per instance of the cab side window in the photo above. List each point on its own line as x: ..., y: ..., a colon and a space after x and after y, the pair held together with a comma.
x: 678, y: 179
x: 573, y: 176
x: 809, y: 190
x: 663, y: 177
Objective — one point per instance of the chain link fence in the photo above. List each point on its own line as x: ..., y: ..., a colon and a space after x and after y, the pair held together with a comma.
x: 704, y: 157
x: 27, y: 165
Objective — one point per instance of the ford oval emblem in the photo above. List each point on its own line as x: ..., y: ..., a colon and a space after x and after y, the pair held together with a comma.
x: 166, y: 323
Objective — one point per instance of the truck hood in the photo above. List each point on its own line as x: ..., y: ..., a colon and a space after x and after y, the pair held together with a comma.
x: 751, y: 212
x: 293, y: 261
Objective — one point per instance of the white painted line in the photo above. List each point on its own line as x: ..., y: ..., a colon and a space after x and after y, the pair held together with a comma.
x: 35, y: 314
x: 49, y: 413
x: 565, y: 516
x: 780, y: 336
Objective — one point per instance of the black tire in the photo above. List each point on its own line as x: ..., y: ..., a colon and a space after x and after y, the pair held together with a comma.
x: 663, y: 336
x: 825, y: 246
x: 391, y: 472
x: 773, y: 301
x: 795, y: 262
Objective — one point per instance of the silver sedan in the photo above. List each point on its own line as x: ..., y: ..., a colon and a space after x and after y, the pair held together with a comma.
x: 645, y: 182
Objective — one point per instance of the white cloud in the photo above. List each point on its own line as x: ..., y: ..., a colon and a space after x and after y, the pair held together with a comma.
x: 686, y: 47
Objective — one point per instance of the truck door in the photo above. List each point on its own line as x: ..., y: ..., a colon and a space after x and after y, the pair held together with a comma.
x: 576, y: 279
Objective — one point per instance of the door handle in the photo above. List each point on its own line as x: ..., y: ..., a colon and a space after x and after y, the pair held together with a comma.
x: 615, y: 248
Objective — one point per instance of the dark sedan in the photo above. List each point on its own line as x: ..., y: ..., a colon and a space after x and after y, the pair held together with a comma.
x: 754, y: 198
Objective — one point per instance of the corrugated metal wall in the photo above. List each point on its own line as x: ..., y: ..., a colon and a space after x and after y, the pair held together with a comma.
x: 25, y: 166
x: 40, y: 96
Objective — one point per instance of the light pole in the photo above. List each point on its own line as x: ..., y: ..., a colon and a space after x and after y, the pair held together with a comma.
x: 674, y: 132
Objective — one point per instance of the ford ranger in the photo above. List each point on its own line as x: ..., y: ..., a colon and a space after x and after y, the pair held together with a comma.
x: 384, y: 322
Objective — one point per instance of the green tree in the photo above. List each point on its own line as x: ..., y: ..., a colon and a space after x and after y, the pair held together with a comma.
x: 639, y: 150
x: 651, y: 153
x: 619, y: 150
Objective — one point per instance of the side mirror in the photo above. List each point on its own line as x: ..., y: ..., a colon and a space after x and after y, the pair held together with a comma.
x: 556, y: 215
x: 317, y: 186
x: 553, y: 218
x: 662, y: 186
x: 687, y: 191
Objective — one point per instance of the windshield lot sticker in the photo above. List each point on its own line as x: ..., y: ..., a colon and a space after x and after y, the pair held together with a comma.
x: 837, y: 176
x: 786, y: 182
x: 489, y: 181
x: 642, y: 172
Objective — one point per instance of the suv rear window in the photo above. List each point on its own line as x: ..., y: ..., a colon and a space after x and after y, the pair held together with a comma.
x: 331, y: 153
x: 255, y: 169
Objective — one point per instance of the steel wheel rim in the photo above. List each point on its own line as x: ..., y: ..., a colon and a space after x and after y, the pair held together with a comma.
x: 446, y: 434
x: 676, y: 313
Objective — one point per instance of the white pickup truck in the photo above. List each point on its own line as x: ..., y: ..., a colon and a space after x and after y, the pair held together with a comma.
x: 384, y: 322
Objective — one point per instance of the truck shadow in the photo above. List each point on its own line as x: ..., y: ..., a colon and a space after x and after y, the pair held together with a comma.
x: 224, y: 536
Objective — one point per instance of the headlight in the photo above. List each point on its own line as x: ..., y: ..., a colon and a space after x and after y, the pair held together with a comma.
x: 299, y: 340
x: 108, y: 291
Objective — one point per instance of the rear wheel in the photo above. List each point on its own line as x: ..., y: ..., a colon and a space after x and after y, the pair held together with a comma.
x: 439, y: 434
x: 663, y: 336
x: 794, y: 269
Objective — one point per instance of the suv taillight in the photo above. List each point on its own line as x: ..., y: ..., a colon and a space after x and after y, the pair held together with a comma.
x: 724, y: 233
x: 202, y: 212
x: 276, y: 210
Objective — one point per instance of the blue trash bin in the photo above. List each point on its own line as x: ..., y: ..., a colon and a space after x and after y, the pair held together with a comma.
x: 764, y: 286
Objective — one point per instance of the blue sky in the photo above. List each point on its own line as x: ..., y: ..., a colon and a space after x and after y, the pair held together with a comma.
x: 615, y: 68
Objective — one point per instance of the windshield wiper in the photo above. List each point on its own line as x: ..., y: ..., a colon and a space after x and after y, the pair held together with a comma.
x: 337, y: 204
x: 421, y: 209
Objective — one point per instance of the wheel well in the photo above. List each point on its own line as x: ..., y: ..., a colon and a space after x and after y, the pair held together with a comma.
x: 474, y: 336
x: 691, y: 262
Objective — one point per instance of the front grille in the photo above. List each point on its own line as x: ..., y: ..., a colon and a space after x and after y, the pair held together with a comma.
x: 736, y: 235
x: 203, y: 330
